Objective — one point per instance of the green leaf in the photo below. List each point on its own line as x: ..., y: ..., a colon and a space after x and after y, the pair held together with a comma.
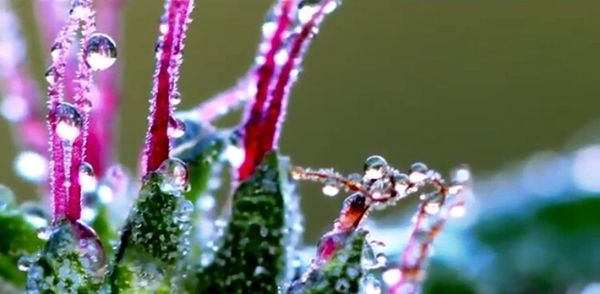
x: 19, y: 237
x: 251, y: 254
x: 342, y: 273
x: 67, y: 265
x: 154, y: 241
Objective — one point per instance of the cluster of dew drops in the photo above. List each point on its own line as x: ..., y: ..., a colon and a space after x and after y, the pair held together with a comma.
x: 384, y: 185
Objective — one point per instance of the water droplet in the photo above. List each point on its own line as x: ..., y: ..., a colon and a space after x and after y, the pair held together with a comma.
x: 24, y: 263
x: 375, y: 167
x: 176, y: 128
x: 50, y: 75
x: 371, y: 285
x: 90, y: 248
x: 55, y: 51
x: 43, y: 233
x: 86, y: 177
x: 401, y: 181
x: 68, y: 121
x: 331, y: 188
x: 31, y: 166
x: 175, y: 98
x: 175, y: 176
x: 342, y: 285
x: 101, y: 51
x: 418, y: 172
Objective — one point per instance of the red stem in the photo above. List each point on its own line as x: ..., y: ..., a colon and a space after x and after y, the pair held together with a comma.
x: 253, y: 125
x: 274, y: 115
x: 157, y: 145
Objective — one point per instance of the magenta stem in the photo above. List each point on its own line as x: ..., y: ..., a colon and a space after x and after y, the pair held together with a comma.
x: 253, y: 124
x: 275, y: 113
x: 157, y: 145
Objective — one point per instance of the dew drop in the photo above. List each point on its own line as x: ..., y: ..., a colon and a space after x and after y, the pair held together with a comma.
x: 401, y: 181
x: 342, y: 285
x: 55, y: 51
x: 50, y: 75
x: 331, y: 188
x: 68, y: 121
x: 101, y: 51
x: 24, y: 263
x: 86, y: 177
x: 175, y: 176
x: 176, y: 128
x: 175, y: 98
x: 90, y: 248
x: 374, y: 167
x: 43, y: 233
x: 418, y: 172
x: 371, y: 285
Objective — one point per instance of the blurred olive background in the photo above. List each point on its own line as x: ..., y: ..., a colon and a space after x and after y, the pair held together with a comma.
x: 444, y: 82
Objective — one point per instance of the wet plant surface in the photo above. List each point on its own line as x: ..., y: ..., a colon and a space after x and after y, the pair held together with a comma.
x: 160, y: 229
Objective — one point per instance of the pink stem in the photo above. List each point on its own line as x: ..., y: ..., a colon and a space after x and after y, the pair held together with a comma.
x: 225, y: 102
x: 253, y: 125
x: 274, y: 114
x: 83, y: 83
x: 58, y: 173
x: 425, y: 230
x: 157, y: 145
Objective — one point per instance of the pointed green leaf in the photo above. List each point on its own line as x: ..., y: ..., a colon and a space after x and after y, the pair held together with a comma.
x: 251, y: 256
x: 153, y: 242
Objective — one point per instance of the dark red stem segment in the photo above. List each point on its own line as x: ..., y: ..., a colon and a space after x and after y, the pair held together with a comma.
x: 253, y: 126
x: 157, y: 145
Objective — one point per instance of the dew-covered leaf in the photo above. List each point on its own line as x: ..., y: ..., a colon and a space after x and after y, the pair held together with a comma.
x: 154, y: 240
x: 71, y: 262
x: 251, y: 255
x: 342, y: 273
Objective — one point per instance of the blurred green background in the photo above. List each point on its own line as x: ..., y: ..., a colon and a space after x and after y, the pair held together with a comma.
x: 444, y: 82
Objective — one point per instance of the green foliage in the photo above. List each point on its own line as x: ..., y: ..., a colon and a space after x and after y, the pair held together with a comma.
x: 62, y: 265
x: 19, y: 238
x: 250, y: 258
x: 154, y: 240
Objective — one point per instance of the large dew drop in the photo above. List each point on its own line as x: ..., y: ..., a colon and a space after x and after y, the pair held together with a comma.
x: 90, y: 248
x: 68, y: 121
x: 174, y: 176
x: 101, y: 51
x: 375, y: 167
